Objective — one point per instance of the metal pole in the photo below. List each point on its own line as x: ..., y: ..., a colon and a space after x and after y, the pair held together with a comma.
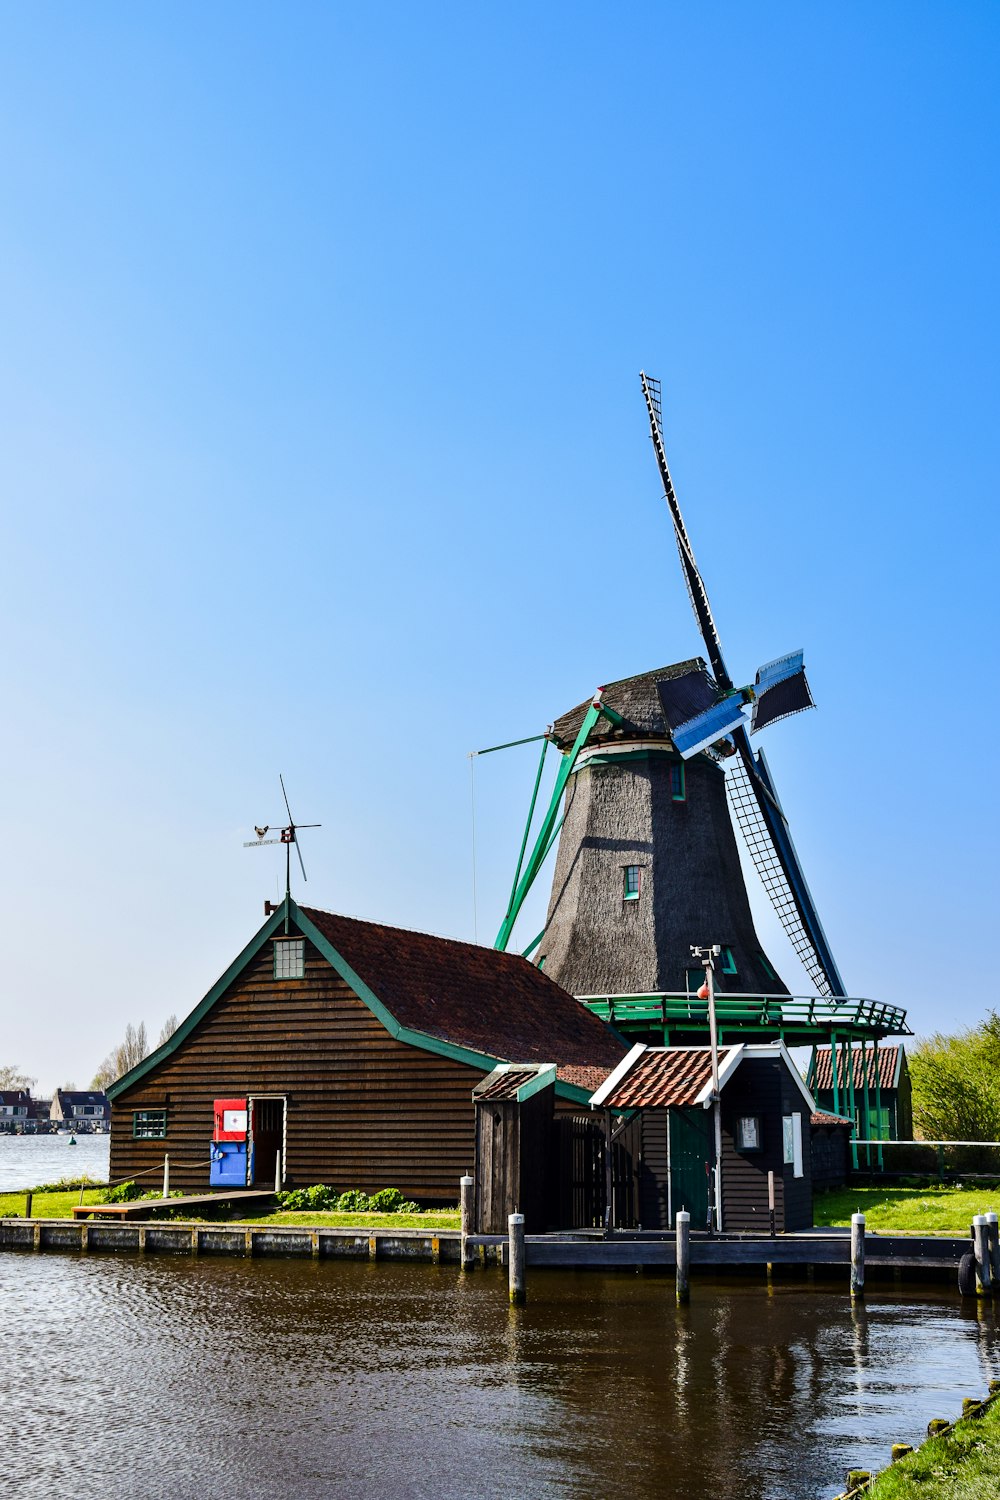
x: 857, y: 1256
x: 683, y: 1256
x: 866, y: 1101
x: 166, y: 1176
x: 467, y: 1199
x: 717, y: 1105
x: 515, y: 1269
x: 835, y: 1070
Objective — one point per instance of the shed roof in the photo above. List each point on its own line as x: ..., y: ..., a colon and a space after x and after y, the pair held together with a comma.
x: 889, y: 1062
x: 635, y: 698
x: 662, y: 1077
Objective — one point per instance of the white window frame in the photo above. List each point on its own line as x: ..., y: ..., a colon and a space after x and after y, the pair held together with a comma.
x: 791, y: 1137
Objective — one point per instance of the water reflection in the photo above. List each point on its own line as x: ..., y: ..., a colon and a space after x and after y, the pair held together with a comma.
x: 222, y: 1378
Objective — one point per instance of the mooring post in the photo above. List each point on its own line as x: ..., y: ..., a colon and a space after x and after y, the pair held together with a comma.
x: 993, y: 1235
x: 770, y: 1200
x: 467, y: 1200
x: 29, y: 1195
x: 166, y: 1177
x: 683, y: 1254
x: 857, y: 1255
x: 515, y: 1269
x: 981, y: 1246
x: 277, y: 1173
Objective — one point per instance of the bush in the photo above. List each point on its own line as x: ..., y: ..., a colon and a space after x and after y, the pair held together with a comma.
x: 322, y: 1199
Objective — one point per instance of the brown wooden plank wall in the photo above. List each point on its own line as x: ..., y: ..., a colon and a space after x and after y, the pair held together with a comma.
x: 763, y: 1087
x: 363, y: 1110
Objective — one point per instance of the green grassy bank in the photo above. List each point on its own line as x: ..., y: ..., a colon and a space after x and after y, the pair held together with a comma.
x: 937, y: 1210
x: 961, y: 1465
x: 60, y: 1204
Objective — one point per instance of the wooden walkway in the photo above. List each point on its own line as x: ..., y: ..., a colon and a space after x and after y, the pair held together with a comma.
x: 145, y: 1208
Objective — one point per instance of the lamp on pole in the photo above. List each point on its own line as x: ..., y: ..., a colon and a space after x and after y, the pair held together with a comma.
x: 707, y: 957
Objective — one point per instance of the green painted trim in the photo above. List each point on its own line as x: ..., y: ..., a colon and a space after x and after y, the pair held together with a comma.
x: 574, y: 1092
x: 201, y: 1010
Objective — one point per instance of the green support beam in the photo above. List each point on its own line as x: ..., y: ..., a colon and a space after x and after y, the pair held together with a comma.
x: 545, y: 834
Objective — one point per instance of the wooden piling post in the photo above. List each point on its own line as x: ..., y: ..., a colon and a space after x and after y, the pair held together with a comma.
x: 515, y: 1264
x: 467, y: 1200
x: 993, y: 1236
x: 683, y: 1255
x: 770, y: 1201
x: 166, y: 1176
x: 981, y: 1246
x: 29, y: 1195
x: 857, y: 1255
x: 277, y: 1173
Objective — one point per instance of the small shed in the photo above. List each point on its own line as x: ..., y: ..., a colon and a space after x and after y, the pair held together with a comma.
x: 880, y: 1083
x: 515, y: 1112
x: 765, y: 1114
x: 830, y: 1147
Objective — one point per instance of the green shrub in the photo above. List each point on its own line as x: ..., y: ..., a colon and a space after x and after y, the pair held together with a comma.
x: 354, y: 1202
x: 386, y: 1201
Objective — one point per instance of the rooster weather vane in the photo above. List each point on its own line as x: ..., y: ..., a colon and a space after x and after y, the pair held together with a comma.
x: 288, y: 835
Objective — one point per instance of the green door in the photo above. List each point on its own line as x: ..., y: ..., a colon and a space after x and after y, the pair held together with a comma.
x: 691, y: 1147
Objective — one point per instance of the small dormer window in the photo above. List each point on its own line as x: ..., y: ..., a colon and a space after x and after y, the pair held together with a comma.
x: 678, y: 790
x: 633, y: 882
x: 728, y: 964
x: 290, y: 958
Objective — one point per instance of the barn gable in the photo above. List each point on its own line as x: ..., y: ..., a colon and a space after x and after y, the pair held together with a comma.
x: 362, y: 1099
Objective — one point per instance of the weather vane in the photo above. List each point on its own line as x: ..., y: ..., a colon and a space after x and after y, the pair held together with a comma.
x: 288, y: 835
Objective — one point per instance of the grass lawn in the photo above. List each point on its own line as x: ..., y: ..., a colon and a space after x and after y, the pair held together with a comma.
x: 46, y: 1205
x: 60, y: 1206
x: 963, y: 1465
x: 937, y: 1210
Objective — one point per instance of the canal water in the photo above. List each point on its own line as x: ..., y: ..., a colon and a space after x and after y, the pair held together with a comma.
x: 178, y: 1377
x: 26, y: 1161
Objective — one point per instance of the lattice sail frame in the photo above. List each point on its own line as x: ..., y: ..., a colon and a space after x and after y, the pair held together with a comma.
x: 760, y: 846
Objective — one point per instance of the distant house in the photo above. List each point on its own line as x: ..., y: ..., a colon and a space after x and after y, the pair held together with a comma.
x: 80, y: 1108
x: 352, y: 1049
x: 15, y: 1109
x: 889, y: 1106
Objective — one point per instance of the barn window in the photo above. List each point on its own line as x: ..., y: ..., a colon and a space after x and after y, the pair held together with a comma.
x: 632, y: 882
x: 149, y: 1124
x: 677, y: 787
x: 290, y: 958
x: 766, y: 966
x: 748, y: 1133
x: 728, y: 961
x: 695, y: 980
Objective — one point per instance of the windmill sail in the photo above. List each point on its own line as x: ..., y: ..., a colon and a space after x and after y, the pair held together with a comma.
x: 782, y: 689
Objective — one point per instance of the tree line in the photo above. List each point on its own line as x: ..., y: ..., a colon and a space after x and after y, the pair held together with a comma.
x: 128, y: 1054
x: 956, y: 1084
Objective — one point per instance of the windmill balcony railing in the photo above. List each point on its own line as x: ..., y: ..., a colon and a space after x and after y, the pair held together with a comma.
x: 773, y: 1013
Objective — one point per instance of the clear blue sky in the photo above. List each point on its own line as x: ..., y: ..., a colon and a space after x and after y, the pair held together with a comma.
x: 323, y: 451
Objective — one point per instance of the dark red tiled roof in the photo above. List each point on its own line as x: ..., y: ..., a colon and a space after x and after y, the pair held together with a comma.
x: 506, y: 1085
x: 491, y: 1002
x: 819, y: 1118
x: 584, y: 1078
x: 886, y: 1068
x: 675, y: 1075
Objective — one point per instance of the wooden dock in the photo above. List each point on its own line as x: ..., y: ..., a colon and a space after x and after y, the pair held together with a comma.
x: 625, y: 1252
x: 143, y: 1208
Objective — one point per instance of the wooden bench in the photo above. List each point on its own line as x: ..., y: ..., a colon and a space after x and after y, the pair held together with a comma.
x: 143, y: 1208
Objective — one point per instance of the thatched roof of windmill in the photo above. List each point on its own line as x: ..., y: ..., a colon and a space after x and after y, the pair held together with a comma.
x: 635, y: 698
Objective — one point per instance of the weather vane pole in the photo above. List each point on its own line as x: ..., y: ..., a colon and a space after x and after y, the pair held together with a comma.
x: 288, y: 837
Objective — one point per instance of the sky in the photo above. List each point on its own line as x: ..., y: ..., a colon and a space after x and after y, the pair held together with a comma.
x: 323, y: 452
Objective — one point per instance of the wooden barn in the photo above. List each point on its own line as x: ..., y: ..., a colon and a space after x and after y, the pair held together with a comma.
x: 353, y: 1049
x: 765, y: 1116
